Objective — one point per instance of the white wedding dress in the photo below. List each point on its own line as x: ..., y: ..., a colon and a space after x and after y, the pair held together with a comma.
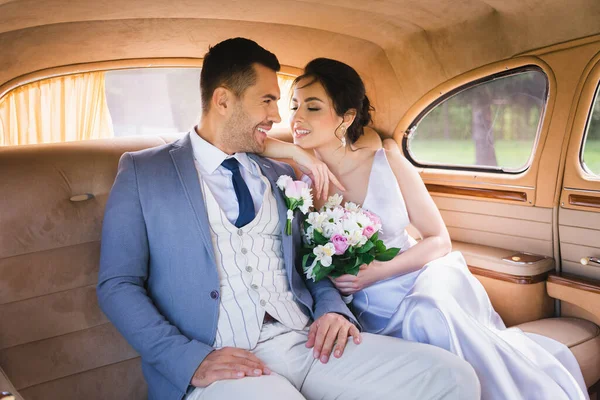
x: 443, y: 304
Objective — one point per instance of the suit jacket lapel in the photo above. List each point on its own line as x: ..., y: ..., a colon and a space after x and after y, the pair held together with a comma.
x: 286, y: 240
x: 183, y: 158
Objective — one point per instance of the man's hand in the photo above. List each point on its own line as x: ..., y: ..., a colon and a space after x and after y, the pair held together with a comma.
x: 228, y: 363
x: 330, y: 328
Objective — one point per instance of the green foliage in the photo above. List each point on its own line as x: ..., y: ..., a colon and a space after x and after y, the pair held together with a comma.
x: 514, y: 105
x: 510, y: 154
x: 593, y: 133
x: 319, y: 238
x: 350, y: 261
x: 591, y: 155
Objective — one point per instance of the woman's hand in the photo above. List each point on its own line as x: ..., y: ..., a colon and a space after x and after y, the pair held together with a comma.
x: 318, y: 172
x: 367, y: 276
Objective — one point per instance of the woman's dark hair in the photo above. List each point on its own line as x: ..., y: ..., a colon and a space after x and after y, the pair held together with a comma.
x: 230, y: 64
x: 345, y: 88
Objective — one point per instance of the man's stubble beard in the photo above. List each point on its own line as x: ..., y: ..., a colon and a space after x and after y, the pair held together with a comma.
x: 239, y: 133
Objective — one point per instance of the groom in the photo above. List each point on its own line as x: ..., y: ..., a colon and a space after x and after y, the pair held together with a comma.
x: 198, y: 275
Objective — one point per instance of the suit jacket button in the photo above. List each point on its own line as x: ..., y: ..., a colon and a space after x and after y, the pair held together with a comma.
x: 214, y: 295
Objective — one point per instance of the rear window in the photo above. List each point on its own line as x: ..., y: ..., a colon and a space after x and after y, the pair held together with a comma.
x: 491, y: 125
x: 104, y: 104
x: 590, y: 155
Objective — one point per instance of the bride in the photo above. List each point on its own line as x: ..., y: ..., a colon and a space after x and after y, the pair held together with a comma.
x: 426, y: 293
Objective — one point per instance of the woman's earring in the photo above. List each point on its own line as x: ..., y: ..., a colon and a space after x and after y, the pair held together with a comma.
x: 343, y: 139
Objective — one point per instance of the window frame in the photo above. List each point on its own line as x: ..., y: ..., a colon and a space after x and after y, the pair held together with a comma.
x: 581, y: 189
x: 596, y: 98
x: 463, y: 87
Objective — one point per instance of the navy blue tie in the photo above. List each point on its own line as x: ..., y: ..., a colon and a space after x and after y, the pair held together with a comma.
x: 246, y: 205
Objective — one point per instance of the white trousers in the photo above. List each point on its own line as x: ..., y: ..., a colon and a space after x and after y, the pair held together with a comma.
x: 379, y: 368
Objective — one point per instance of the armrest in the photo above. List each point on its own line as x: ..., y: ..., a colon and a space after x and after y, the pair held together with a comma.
x: 7, y: 390
x: 504, y: 261
x: 581, y: 292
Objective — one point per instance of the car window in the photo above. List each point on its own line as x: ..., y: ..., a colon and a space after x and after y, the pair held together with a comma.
x: 590, y: 155
x: 491, y: 124
x: 104, y: 104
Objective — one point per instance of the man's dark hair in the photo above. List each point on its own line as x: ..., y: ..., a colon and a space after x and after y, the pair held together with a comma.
x: 229, y: 64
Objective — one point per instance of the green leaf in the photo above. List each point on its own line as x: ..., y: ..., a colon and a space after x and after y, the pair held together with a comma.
x: 319, y: 238
x: 374, y: 237
x: 367, y: 246
x: 367, y: 258
x: 305, y: 261
x: 321, y: 271
x: 292, y: 203
x: 388, y: 254
x: 380, y: 246
x: 354, y: 270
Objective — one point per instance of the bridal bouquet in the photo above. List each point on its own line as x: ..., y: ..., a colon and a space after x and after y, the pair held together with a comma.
x: 338, y: 240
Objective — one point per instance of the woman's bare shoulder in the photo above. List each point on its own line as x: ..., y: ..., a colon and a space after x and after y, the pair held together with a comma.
x: 390, y: 144
x: 403, y: 169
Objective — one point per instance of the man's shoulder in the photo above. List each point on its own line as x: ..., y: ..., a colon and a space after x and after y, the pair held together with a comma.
x: 280, y: 167
x: 155, y: 153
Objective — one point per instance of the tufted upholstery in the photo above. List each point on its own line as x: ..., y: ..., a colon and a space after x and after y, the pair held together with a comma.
x: 54, y: 340
x: 55, y: 343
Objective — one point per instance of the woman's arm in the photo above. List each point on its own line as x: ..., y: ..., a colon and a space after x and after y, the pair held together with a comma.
x: 275, y: 148
x: 307, y: 163
x: 424, y: 216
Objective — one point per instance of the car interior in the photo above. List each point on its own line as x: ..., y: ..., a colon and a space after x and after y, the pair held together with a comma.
x: 495, y: 102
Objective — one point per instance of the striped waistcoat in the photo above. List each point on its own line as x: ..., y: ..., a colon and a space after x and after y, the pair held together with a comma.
x: 252, y: 274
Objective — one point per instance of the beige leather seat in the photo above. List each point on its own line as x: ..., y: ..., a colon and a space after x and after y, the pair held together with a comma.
x: 54, y: 341
x: 580, y: 336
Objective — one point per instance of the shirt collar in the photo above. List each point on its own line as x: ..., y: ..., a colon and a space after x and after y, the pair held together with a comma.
x: 210, y: 157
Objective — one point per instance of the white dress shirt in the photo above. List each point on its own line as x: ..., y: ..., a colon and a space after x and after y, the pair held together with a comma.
x: 208, y: 159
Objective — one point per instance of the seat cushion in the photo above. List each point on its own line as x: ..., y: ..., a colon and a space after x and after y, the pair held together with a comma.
x: 581, y: 336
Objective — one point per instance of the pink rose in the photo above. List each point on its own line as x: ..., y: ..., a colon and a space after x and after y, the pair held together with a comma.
x: 293, y: 189
x: 374, y: 218
x: 369, y: 231
x: 340, y: 243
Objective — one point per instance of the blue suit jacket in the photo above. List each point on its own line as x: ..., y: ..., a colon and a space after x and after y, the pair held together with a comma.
x: 158, y: 280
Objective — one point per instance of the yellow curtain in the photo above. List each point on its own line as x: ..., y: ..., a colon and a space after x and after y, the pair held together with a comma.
x: 285, y: 87
x: 58, y: 109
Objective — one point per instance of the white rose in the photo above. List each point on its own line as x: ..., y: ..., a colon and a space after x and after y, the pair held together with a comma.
x: 330, y: 229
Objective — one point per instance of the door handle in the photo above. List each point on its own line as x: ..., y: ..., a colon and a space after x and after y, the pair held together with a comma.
x: 594, y: 261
